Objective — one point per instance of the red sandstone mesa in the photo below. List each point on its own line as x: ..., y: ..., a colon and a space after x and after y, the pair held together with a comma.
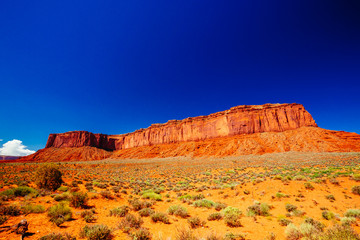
x: 238, y: 120
x: 240, y: 130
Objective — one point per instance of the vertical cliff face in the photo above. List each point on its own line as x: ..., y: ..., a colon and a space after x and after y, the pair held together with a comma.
x: 80, y: 139
x: 235, y: 121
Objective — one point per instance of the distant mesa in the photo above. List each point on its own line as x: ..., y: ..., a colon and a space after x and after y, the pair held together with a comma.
x: 241, y: 130
x: 3, y: 157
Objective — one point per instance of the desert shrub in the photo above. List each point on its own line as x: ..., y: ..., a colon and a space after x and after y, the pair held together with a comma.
x: 88, y: 216
x: 78, y: 199
x: 280, y: 195
x: 185, y: 234
x: 232, y: 236
x: 3, y: 219
x: 231, y: 211
x: 96, y: 232
x: 308, y: 231
x: 348, y: 221
x: 352, y: 213
x: 356, y: 177
x: 160, y: 217
x: 62, y: 197
x: 138, y: 205
x: 215, y: 216
x: 338, y: 232
x: 145, y: 212
x: 150, y: 194
x: 120, y: 211
x: 57, y: 236
x: 48, y: 176
x: 195, y: 222
x: 330, y: 197
x: 204, y: 203
x: 63, y: 189
x: 130, y: 221
x: 141, y: 234
x: 232, y: 220
x: 11, y: 210
x: 318, y: 225
x: 29, y: 208
x: 284, y: 221
x: 328, y: 215
x: 220, y: 206
x: 178, y: 210
x: 309, y: 186
x: 213, y: 236
x: 355, y: 190
x: 292, y: 232
x: 59, y: 214
x: 258, y: 209
x: 19, y: 192
x: 334, y: 181
x: 290, y: 208
x: 106, y: 194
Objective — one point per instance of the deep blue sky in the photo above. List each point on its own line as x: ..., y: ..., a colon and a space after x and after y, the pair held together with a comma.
x: 116, y: 66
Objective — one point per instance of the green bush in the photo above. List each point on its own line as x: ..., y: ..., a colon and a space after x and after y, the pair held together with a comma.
x: 178, y: 210
x: 328, y: 215
x: 356, y: 177
x: 48, y: 176
x: 204, y: 203
x: 348, y: 221
x: 96, y: 232
x: 59, y: 214
x: 150, y: 194
x: 352, y: 213
x: 62, y: 197
x: 57, y: 236
x: 120, y: 211
x: 160, y: 217
x: 19, y: 192
x: 29, y: 208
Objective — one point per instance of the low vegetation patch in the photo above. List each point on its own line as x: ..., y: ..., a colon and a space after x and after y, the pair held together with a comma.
x: 96, y: 232
x: 59, y: 214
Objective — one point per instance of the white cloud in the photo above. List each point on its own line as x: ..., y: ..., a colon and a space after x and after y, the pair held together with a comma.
x: 15, y: 148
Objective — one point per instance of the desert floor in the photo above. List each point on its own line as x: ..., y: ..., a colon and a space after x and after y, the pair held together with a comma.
x: 313, y: 182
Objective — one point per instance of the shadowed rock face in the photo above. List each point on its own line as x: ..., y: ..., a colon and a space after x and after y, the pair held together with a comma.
x: 235, y: 121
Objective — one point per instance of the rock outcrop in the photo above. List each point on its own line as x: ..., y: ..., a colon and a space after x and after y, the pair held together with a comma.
x: 80, y: 139
x: 241, y: 130
x: 238, y: 120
